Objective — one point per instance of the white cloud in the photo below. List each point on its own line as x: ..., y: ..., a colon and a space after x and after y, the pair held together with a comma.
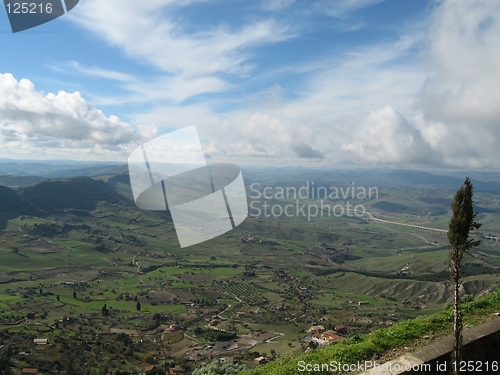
x: 32, y: 121
x: 261, y: 134
x: 364, y: 79
x: 338, y: 103
x: 323, y: 121
x: 385, y: 136
x: 458, y: 112
x: 149, y: 32
x: 101, y: 73
x: 341, y: 90
x: 382, y: 107
x: 170, y: 88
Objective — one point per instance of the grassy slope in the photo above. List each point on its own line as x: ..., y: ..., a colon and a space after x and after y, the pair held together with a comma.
x: 404, y: 333
x: 78, y: 193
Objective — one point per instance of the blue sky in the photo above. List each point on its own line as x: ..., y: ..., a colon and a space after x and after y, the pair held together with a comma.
x: 276, y: 82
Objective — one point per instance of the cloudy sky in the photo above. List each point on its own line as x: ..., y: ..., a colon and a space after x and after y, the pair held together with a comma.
x: 270, y: 82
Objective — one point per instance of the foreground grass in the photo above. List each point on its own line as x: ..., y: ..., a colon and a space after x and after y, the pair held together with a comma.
x: 361, y: 348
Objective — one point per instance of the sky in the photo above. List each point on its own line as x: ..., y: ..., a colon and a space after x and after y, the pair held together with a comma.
x: 338, y: 83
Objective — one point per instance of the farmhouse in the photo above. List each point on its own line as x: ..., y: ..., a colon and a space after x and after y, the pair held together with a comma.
x: 326, y: 337
x: 29, y: 371
x: 331, y: 336
x: 316, y: 329
x: 342, y: 329
x: 40, y: 341
x: 173, y: 328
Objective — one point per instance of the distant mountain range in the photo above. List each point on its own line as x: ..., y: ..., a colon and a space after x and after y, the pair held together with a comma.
x: 15, y: 173
x: 35, y: 191
x: 58, y: 169
x: 414, y: 178
x: 381, y: 178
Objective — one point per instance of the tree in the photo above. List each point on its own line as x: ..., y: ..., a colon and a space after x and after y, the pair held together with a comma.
x: 138, y: 306
x: 74, y: 295
x: 460, y: 225
x: 220, y: 367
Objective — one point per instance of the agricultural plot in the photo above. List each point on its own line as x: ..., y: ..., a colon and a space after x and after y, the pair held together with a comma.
x: 247, y: 292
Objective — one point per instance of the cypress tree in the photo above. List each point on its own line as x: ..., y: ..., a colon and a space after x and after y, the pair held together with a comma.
x: 460, y: 225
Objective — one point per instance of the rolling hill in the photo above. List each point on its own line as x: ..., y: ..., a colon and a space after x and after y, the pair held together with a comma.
x: 76, y: 193
x: 12, y: 203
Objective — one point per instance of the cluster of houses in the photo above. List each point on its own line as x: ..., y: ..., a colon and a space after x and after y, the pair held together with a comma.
x: 322, y: 336
x: 29, y: 370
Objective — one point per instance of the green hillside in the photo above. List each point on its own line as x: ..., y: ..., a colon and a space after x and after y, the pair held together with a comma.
x: 76, y: 193
x: 12, y: 203
x: 121, y: 184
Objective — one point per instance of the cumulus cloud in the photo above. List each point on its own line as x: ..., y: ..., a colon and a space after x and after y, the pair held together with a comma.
x: 445, y: 113
x: 457, y: 110
x: 262, y: 134
x: 322, y: 121
x: 387, y: 137
x: 31, y: 119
